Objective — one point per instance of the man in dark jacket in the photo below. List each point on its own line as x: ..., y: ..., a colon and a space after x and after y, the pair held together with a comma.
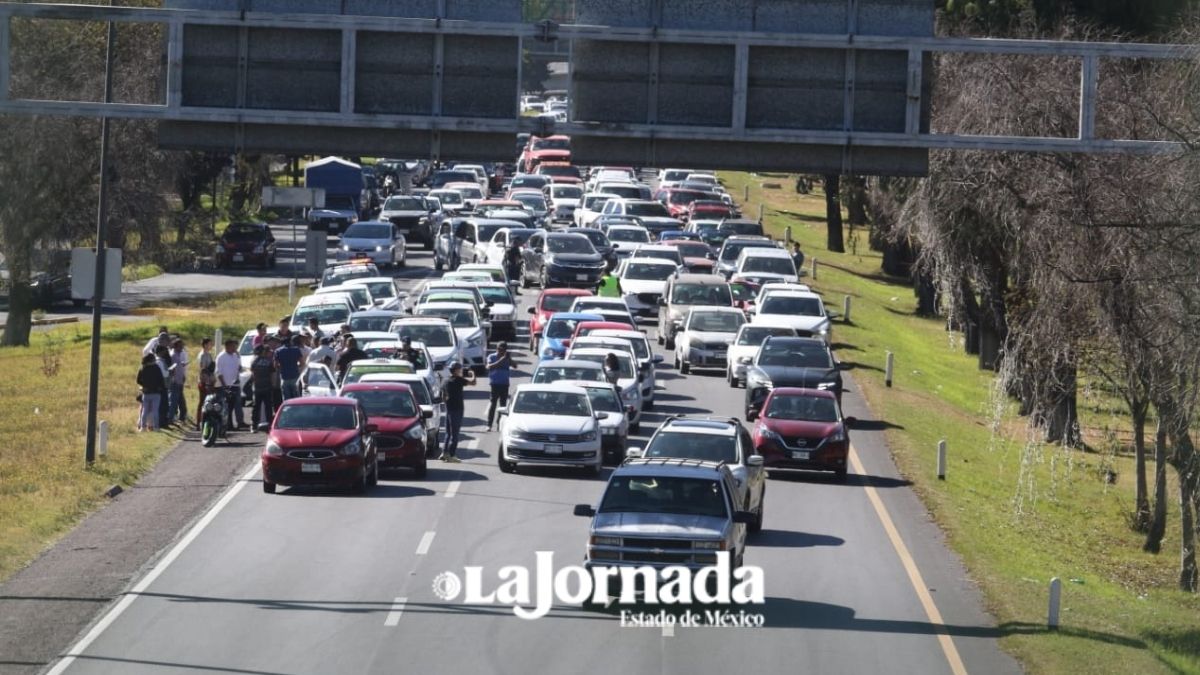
x: 351, y: 354
x: 262, y: 372
x: 152, y: 383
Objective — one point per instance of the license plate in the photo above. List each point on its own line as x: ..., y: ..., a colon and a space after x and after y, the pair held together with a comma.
x: 310, y: 467
x: 581, y: 277
x: 237, y: 257
x: 799, y: 454
x: 718, y: 355
x: 553, y: 449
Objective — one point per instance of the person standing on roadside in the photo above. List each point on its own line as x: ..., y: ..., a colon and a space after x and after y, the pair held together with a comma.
x: 163, y: 339
x: 163, y: 356
x: 499, y: 367
x: 285, y: 331
x: 323, y: 354
x: 207, y: 384
x: 176, y: 401
x: 229, y: 367
x: 612, y: 368
x: 152, y: 384
x: 262, y: 372
x: 260, y: 335
x: 797, y: 256
x: 206, y: 364
x: 349, y: 355
x: 288, y: 359
x: 455, y: 408
x: 314, y: 329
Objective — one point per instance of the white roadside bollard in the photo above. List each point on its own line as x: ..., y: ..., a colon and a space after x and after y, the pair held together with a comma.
x: 102, y: 440
x: 846, y: 309
x: 813, y: 274
x: 887, y: 371
x: 941, y: 460
x: 292, y: 292
x: 760, y: 213
x: 218, y: 343
x: 1055, y: 601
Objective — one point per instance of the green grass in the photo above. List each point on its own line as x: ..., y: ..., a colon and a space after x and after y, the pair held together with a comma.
x: 138, y: 272
x: 44, y: 486
x: 1018, y: 513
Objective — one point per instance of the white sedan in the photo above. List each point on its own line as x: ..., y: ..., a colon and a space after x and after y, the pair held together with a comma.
x: 550, y: 424
x: 629, y: 379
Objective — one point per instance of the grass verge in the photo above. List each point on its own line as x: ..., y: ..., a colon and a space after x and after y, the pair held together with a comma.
x: 44, y: 486
x: 139, y: 272
x: 1017, y: 512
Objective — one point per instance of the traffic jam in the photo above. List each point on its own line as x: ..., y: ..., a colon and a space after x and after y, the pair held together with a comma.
x: 568, y: 295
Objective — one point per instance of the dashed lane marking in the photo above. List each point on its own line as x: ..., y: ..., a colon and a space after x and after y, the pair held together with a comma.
x: 393, y: 617
x: 426, y: 542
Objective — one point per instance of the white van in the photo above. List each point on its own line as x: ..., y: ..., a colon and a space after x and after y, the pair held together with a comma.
x: 766, y: 265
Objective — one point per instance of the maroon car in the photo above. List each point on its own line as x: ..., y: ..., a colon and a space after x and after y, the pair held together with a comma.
x: 399, y: 421
x: 246, y: 244
x: 802, y: 429
x: 324, y: 441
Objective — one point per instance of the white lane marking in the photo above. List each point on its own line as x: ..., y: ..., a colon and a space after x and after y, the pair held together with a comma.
x: 668, y: 630
x: 426, y: 542
x: 452, y: 489
x: 127, y: 599
x: 393, y: 617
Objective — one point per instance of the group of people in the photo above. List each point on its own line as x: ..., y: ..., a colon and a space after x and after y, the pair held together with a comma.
x: 161, y: 379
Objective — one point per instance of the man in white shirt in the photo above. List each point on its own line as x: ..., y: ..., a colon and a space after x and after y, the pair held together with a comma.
x: 163, y: 339
x: 176, y: 401
x: 323, y: 354
x: 229, y: 366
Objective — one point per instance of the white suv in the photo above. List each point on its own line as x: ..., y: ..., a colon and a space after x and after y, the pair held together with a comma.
x: 550, y: 424
x: 704, y: 338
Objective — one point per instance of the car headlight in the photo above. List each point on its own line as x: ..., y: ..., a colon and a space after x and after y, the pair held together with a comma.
x: 518, y: 433
x: 696, y: 343
x: 351, y: 448
x: 273, y: 449
x: 770, y: 434
x: 345, y: 247
x: 475, y: 341
x: 416, y: 432
x: 548, y: 353
x: 709, y: 545
x: 590, y: 435
x: 378, y: 249
x: 837, y: 436
x: 605, y: 541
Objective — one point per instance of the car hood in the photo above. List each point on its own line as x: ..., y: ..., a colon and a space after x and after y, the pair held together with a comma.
x: 550, y: 424
x: 331, y: 213
x: 465, y: 334
x: 502, y: 309
x: 384, y: 215
x: 440, y: 353
x: 358, y: 242
x: 791, y: 376
x: 290, y: 439
x: 800, y: 427
x: 658, y: 524
x: 612, y: 420
x: 569, y: 258
x: 712, y: 336
x: 643, y: 286
x: 392, y: 425
x: 808, y: 323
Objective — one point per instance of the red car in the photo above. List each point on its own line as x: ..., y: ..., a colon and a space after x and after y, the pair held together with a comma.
x: 393, y: 409
x: 550, y: 301
x: 560, y: 172
x: 588, y: 327
x: 246, y: 244
x: 699, y: 266
x: 678, y: 199
x: 689, y: 248
x: 549, y: 149
x: 321, y: 440
x: 802, y: 429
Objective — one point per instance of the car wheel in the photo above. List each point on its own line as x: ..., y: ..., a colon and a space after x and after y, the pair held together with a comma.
x: 360, y: 485
x: 756, y: 524
x: 437, y: 264
x: 374, y: 479
x: 421, y: 469
x: 685, y: 367
x: 268, y: 488
x: 429, y: 243
x: 669, y: 342
x: 505, y: 465
x: 524, y: 277
x: 841, y: 475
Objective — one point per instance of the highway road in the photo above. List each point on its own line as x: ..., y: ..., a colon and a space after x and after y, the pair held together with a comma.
x: 857, y: 578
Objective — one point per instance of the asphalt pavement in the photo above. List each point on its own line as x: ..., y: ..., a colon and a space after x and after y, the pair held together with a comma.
x: 857, y: 578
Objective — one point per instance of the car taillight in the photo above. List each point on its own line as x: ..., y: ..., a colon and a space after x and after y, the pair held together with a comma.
x: 230, y: 246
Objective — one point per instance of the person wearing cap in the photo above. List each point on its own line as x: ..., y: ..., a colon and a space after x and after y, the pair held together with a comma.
x: 262, y: 372
x: 455, y: 407
x: 499, y: 365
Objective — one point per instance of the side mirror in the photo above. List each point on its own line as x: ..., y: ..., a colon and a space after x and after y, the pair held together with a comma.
x: 426, y: 414
x: 662, y: 302
x: 754, y: 460
x: 437, y: 367
x: 531, y: 310
x: 658, y: 358
x: 850, y: 421
x: 743, y: 517
x: 599, y: 415
x: 633, y: 453
x: 372, y: 428
x: 585, y: 510
x: 502, y: 411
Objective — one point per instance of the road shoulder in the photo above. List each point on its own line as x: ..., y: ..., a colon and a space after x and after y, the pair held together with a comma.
x: 46, y: 605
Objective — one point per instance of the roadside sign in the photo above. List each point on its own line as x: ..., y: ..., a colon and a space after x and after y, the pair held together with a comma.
x: 294, y: 197
x: 83, y: 273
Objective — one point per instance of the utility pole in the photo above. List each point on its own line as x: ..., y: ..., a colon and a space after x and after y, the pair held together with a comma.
x: 101, y: 272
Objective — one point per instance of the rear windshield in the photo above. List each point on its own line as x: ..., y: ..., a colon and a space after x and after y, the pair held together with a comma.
x: 575, y: 244
x: 702, y: 294
x: 625, y: 366
x: 716, y: 322
x: 355, y: 372
x: 770, y: 265
x: 639, y: 236
x: 459, y: 318
x: 793, y: 306
x: 653, y: 209
x: 403, y: 204
x: 324, y: 314
x: 563, y: 328
x: 244, y: 232
x: 732, y: 250
x: 359, y: 324
x: 548, y: 374
x: 754, y: 335
x: 552, y: 144
x: 557, y: 303
x: 649, y: 272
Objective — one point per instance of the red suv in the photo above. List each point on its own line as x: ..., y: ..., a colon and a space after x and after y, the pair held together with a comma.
x: 320, y: 441
x: 392, y: 408
x: 549, y: 149
x: 802, y: 429
x: 550, y: 301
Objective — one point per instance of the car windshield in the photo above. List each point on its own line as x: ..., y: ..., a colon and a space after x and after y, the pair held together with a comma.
x: 594, y: 202
x: 551, y: 403
x: 570, y: 244
x: 324, y: 314
x: 459, y: 318
x: 385, y: 403
x: 664, y: 494
x: 571, y: 171
x: 716, y: 322
x: 548, y: 374
x: 403, y: 204
x: 470, y: 192
x: 731, y: 251
x: 640, y: 347
x: 358, y: 295
x: 244, y: 232
x: 431, y: 335
x: 604, y: 399
x: 359, y: 324
x: 340, y: 275
x: 807, y: 408
x: 685, y: 445
x: 794, y: 355
x: 316, y: 417
x: 701, y: 294
x: 653, y: 209
x: 318, y: 377
x: 771, y: 265
x: 356, y: 371
x: 557, y: 303
x: 496, y: 295
x: 742, y: 228
x: 529, y: 181
x: 247, y: 346
x: 340, y: 203
x: 388, y: 349
x: 754, y: 335
x: 534, y: 202
x: 791, y: 305
x: 625, y: 366
x: 487, y: 231
x: 552, y: 144
x: 685, y: 197
x: 692, y: 249
x: 595, y: 236
x: 649, y: 271
x: 562, y: 328
x: 449, y: 197
x: 381, y: 289
x: 675, y: 176
x: 638, y: 235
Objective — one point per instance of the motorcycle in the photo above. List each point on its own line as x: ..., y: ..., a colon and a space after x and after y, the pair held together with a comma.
x: 212, y: 424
